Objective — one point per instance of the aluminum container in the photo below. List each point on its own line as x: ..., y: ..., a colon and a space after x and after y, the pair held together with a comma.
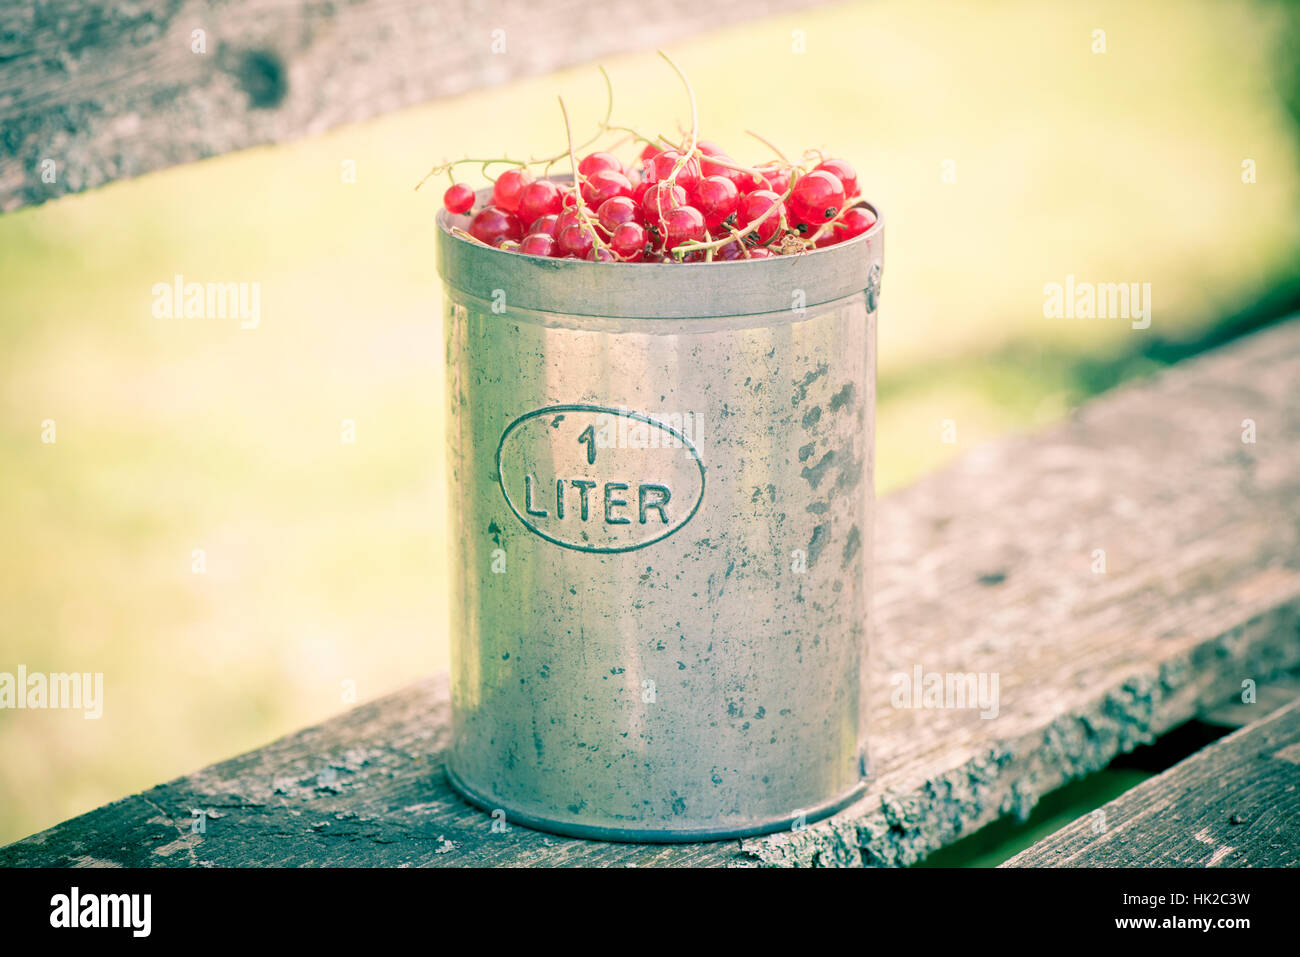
x: 661, y: 493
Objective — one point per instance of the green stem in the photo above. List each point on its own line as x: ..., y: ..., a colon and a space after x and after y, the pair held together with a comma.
x: 458, y: 232
x: 829, y: 225
x: 671, y: 179
x: 545, y: 162
x: 770, y: 145
x: 691, y: 247
x: 635, y: 134
x: 600, y: 129
x: 484, y: 163
x: 583, y: 216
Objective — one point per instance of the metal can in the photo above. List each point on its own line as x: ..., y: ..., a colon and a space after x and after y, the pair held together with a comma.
x: 661, y: 494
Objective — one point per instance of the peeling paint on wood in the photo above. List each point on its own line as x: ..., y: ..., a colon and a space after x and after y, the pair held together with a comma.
x: 986, y: 567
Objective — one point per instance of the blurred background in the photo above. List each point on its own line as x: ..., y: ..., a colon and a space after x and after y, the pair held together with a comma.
x: 1005, y: 153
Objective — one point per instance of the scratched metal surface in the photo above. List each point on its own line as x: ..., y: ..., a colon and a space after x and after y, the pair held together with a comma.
x: 659, y: 528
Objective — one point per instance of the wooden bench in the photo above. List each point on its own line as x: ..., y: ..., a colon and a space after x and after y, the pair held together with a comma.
x: 1233, y: 804
x: 1122, y: 573
x: 107, y: 91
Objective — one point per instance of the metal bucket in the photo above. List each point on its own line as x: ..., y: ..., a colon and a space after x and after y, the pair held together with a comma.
x: 661, y: 524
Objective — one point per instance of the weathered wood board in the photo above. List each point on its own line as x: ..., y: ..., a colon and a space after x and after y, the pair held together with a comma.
x: 1235, y: 803
x: 993, y: 566
x: 105, y: 91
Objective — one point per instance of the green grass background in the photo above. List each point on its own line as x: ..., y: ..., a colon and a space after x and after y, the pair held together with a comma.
x: 327, y: 561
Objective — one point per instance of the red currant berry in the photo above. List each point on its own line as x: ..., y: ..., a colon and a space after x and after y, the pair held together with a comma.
x: 649, y: 153
x: 660, y: 198
x: 576, y: 240
x: 594, y: 162
x: 734, y: 250
x: 778, y: 181
x: 755, y: 206
x: 538, y: 244
x: 709, y: 168
x: 716, y: 196
x: 855, y: 222
x: 601, y: 254
x: 745, y: 182
x: 683, y: 225
x: 491, y: 224
x: 661, y: 167
x: 538, y: 199
x: 545, y: 224
x: 458, y: 199
x: 628, y: 241
x: 617, y: 210
x: 817, y: 197
x: 567, y: 218
x: 843, y: 172
x: 508, y: 187
x: 709, y: 148
x: 604, y: 184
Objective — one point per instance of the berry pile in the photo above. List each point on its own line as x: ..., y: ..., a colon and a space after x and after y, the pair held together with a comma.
x: 680, y: 201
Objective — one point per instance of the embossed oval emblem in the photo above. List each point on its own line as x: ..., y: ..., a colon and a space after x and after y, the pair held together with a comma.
x: 598, y: 479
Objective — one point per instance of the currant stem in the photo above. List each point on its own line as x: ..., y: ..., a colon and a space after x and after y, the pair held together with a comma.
x: 770, y: 145
x: 583, y: 216
x: 601, y: 129
x: 829, y: 225
x: 755, y: 170
x: 740, y: 241
x: 691, y: 247
x: 635, y: 134
x: 671, y: 179
x: 461, y: 234
x: 483, y: 163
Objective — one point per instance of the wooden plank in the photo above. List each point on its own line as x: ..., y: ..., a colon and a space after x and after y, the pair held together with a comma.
x: 107, y: 91
x: 1235, y: 803
x: 986, y: 567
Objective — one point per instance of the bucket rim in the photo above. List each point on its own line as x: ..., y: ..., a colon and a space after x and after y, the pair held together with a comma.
x: 656, y: 290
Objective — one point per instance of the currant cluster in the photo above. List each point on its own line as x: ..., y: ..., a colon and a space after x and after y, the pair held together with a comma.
x: 682, y: 200
x: 670, y: 207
